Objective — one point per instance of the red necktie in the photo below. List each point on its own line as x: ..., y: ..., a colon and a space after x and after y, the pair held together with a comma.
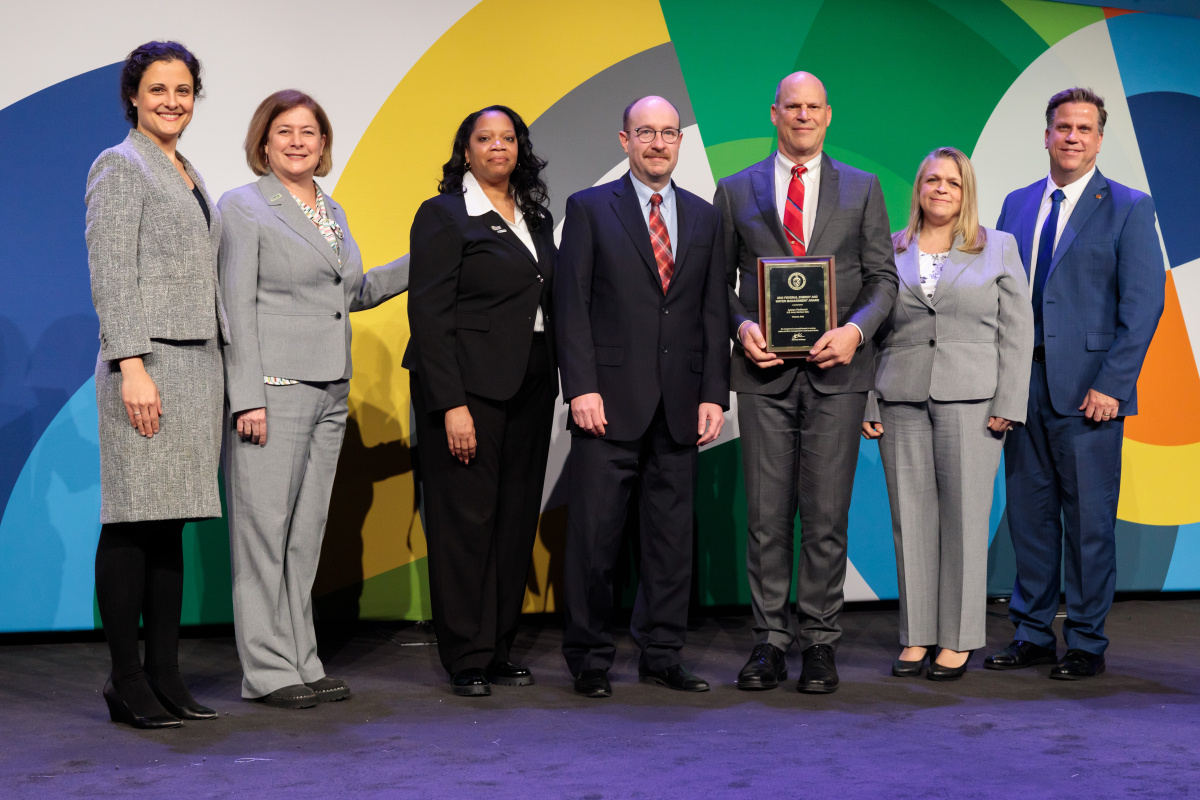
x: 661, y: 242
x: 793, y: 211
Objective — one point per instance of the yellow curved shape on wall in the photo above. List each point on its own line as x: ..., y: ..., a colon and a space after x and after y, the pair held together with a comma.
x: 526, y: 55
x: 1158, y: 484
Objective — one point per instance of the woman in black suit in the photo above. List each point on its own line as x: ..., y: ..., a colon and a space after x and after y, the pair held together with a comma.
x: 483, y: 383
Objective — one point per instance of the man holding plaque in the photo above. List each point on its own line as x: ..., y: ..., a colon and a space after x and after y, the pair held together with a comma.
x: 644, y: 359
x: 800, y: 412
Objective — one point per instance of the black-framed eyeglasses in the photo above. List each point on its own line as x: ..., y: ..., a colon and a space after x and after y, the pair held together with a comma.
x: 648, y: 135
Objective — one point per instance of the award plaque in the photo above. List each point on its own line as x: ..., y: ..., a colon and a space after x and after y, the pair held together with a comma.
x: 796, y: 302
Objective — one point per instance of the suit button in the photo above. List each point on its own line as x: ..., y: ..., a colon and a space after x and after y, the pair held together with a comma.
x: 933, y: 342
x: 932, y: 312
x: 664, y: 349
x: 666, y: 311
x: 337, y: 280
x: 540, y: 278
x: 338, y: 315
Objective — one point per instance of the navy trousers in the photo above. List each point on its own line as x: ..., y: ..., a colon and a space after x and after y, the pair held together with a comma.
x: 1062, y: 476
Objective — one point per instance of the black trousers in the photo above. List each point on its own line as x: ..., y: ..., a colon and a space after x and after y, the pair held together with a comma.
x: 481, y: 518
x: 602, y: 476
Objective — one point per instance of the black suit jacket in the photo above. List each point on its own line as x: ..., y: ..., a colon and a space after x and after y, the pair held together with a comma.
x: 619, y: 335
x: 851, y: 226
x: 474, y: 289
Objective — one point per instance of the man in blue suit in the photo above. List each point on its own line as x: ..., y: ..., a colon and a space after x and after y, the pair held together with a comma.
x: 1096, y: 277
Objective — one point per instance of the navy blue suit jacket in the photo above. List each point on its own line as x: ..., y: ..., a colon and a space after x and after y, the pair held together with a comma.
x: 619, y: 335
x: 1103, y: 295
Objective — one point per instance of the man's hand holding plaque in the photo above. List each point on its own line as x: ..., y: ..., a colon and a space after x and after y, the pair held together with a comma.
x: 836, y: 347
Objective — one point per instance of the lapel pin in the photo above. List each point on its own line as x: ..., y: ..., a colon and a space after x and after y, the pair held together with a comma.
x: 274, y: 197
x: 1099, y: 197
x: 498, y: 229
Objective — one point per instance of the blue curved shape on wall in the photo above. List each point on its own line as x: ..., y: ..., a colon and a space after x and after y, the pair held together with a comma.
x: 51, y: 525
x: 48, y: 328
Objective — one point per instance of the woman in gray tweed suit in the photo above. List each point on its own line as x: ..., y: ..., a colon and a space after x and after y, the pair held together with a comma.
x: 291, y: 274
x: 951, y: 378
x: 152, y: 237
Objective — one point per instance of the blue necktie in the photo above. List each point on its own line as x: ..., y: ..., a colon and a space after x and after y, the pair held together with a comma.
x: 1045, y: 254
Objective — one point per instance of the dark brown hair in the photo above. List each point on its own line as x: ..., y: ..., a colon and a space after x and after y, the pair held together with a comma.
x: 528, y: 188
x: 278, y: 103
x: 140, y: 59
x: 1076, y: 95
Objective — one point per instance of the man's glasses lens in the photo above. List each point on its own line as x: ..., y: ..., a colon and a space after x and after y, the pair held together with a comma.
x: 647, y: 135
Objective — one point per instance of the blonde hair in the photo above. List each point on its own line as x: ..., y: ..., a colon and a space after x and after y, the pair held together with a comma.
x: 280, y: 103
x: 974, y: 237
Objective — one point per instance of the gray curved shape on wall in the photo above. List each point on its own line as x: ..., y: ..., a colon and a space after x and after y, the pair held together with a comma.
x: 578, y: 134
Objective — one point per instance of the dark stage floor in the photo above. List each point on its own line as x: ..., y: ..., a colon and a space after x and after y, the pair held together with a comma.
x: 1134, y: 731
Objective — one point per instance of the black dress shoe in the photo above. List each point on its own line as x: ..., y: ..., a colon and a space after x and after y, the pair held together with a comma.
x: 911, y: 669
x: 329, y: 690
x: 1020, y: 654
x: 765, y: 669
x: 146, y: 718
x: 676, y: 676
x: 297, y: 695
x: 173, y: 695
x: 819, y: 674
x: 506, y: 673
x: 593, y: 683
x: 940, y: 672
x: 1077, y: 664
x: 471, y: 682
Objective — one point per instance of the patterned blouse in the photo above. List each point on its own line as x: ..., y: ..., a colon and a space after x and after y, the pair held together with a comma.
x: 332, y: 232
x: 931, y: 270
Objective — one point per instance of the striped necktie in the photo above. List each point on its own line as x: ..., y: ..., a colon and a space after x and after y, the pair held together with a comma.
x: 793, y: 211
x: 660, y: 240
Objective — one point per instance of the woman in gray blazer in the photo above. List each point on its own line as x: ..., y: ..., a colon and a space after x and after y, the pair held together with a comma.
x: 951, y: 378
x: 290, y: 276
x: 152, y: 237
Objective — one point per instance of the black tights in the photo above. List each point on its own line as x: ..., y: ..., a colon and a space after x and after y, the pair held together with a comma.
x: 139, y: 573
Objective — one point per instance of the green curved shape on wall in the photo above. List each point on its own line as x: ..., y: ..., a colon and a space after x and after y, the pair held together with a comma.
x: 1054, y: 21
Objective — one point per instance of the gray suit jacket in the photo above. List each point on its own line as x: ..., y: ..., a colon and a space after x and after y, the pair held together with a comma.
x: 973, y: 341
x: 851, y: 225
x: 151, y: 256
x: 289, y: 298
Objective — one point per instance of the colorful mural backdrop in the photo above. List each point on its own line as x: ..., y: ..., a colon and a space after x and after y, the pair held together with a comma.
x: 903, y: 76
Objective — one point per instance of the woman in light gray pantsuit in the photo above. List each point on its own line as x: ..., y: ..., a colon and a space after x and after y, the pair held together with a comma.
x: 290, y: 276
x: 951, y: 378
x: 152, y: 237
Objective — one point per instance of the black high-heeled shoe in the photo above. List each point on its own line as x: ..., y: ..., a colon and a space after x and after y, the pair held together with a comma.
x: 938, y: 672
x: 119, y: 711
x: 911, y: 669
x: 183, y: 707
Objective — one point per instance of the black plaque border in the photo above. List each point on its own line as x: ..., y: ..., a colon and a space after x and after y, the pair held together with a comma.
x: 764, y: 308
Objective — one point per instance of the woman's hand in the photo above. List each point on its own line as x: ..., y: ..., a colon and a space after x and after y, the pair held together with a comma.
x: 252, y: 425
x: 140, y: 396
x: 1000, y: 424
x: 872, y: 430
x: 460, y: 433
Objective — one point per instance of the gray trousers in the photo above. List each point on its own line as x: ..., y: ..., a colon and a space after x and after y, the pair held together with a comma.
x: 940, y: 461
x: 799, y: 451
x: 278, y: 502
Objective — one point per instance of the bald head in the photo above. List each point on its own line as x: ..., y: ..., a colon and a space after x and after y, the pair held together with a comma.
x: 801, y: 113
x: 648, y: 103
x: 797, y: 78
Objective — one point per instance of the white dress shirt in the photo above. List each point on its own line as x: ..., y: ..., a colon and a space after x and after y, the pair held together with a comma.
x: 667, y: 208
x: 812, y: 188
x: 1072, y: 191
x: 478, y: 204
